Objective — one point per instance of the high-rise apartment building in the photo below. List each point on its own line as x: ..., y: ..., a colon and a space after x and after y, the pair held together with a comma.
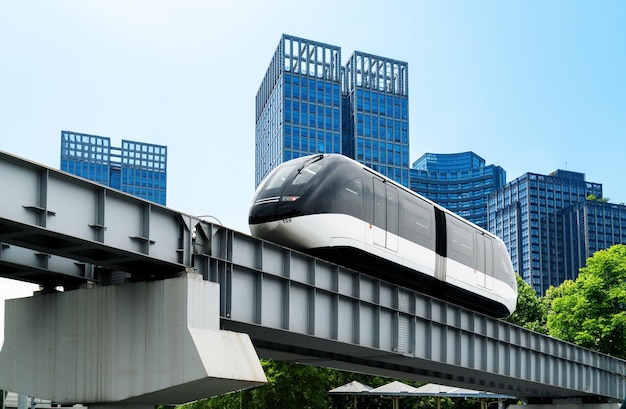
x: 460, y: 182
x: 308, y: 103
x: 137, y: 168
x: 525, y: 213
x: 589, y: 226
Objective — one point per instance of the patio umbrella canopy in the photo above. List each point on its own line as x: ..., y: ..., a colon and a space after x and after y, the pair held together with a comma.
x: 433, y: 389
x: 443, y: 391
x: 395, y: 390
x: 353, y: 388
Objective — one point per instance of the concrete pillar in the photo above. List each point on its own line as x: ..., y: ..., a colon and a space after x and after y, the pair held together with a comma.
x: 143, y: 343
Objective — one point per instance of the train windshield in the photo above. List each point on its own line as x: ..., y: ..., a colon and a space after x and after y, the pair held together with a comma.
x: 291, y: 177
x: 307, y: 173
x: 278, y: 180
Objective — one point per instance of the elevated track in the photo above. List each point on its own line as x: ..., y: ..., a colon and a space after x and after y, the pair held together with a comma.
x: 60, y: 230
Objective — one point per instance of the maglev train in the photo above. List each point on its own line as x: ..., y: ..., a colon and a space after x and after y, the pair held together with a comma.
x: 337, y: 209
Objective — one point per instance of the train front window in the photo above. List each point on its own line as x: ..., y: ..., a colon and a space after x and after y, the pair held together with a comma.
x: 278, y: 180
x: 307, y: 173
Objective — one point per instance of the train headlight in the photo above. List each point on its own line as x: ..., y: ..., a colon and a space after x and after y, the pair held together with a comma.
x: 289, y: 198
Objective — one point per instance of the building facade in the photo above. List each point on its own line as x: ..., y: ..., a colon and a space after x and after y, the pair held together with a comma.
x: 526, y: 214
x: 376, y: 120
x: 309, y: 103
x: 460, y: 182
x: 136, y: 168
x: 589, y: 226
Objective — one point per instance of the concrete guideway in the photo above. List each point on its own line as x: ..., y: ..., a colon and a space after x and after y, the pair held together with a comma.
x: 139, y: 343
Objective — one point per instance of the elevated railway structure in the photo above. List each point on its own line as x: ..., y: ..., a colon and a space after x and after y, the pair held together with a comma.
x: 58, y: 230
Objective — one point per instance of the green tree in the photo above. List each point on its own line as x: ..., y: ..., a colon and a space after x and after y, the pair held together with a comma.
x: 288, y: 385
x: 594, y: 198
x: 591, y: 311
x: 531, y: 311
x: 300, y: 386
x: 291, y: 385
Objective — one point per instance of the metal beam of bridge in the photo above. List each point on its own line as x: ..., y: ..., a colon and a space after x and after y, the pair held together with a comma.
x: 60, y: 230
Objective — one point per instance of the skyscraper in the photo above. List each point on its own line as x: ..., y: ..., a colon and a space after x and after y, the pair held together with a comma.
x: 589, y: 226
x: 525, y: 213
x: 136, y: 168
x: 376, y: 121
x: 460, y: 182
x: 308, y: 103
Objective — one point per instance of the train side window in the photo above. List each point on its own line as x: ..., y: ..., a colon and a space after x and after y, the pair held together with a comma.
x: 352, y: 192
x: 417, y: 223
x: 460, y: 243
x: 504, y: 268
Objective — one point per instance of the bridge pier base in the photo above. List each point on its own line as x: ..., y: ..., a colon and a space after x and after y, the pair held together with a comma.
x: 142, y: 343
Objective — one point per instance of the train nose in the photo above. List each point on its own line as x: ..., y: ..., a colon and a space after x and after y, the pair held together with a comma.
x: 263, y: 230
x: 263, y: 210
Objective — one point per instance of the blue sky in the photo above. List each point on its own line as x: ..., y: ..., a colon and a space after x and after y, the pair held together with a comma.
x: 532, y: 86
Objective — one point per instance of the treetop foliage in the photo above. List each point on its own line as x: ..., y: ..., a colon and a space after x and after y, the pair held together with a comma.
x: 591, y: 311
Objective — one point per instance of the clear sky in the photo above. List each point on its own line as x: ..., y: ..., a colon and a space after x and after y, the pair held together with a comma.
x: 532, y: 86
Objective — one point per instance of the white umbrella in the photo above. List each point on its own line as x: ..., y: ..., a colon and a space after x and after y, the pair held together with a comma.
x: 441, y: 391
x: 353, y: 388
x: 395, y: 390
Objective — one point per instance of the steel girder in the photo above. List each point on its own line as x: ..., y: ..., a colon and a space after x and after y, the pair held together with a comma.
x: 60, y: 230
x: 304, y: 309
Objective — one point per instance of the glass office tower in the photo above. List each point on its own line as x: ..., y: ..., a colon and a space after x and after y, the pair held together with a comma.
x: 137, y: 168
x: 460, y: 182
x: 525, y: 214
x: 308, y: 103
x: 376, y: 121
x: 589, y: 226
x: 298, y: 105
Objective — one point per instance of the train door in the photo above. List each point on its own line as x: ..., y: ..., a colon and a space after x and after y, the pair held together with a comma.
x: 484, y: 261
x: 380, y: 213
x: 386, y: 215
x: 441, y: 245
x: 392, y: 218
x: 489, y: 267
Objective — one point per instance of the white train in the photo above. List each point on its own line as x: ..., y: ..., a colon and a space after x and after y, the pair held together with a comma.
x: 335, y: 208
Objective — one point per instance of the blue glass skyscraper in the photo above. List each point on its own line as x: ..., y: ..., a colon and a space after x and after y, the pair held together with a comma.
x: 308, y: 103
x: 525, y: 214
x: 587, y: 227
x: 460, y: 182
x: 298, y: 105
x: 376, y: 121
x: 137, y: 168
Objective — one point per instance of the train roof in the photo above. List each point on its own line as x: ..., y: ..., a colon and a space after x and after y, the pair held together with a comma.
x: 404, y: 188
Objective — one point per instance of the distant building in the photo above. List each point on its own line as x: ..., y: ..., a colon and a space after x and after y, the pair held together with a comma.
x: 460, y: 182
x: 589, y: 226
x: 137, y: 168
x: 308, y: 103
x: 526, y: 214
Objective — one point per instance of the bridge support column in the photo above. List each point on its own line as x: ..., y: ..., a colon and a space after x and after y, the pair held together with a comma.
x: 154, y: 342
